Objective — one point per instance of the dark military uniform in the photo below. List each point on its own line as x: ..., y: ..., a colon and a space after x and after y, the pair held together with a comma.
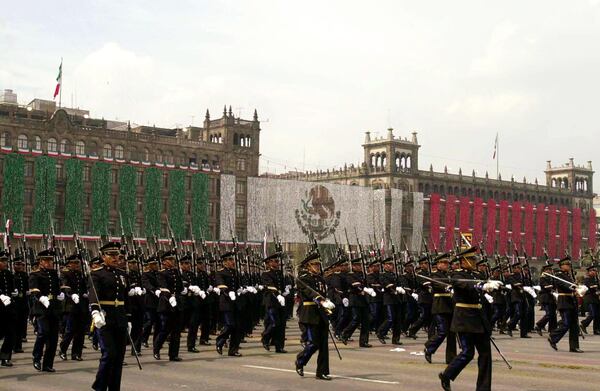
x: 339, y: 287
x: 275, y: 312
x: 227, y: 282
x: 567, y: 306
x: 360, y: 310
x: 200, y: 311
x: 76, y: 314
x: 8, y: 315
x: 518, y: 305
x: 391, y: 307
x: 21, y: 303
x: 375, y: 303
x: 591, y: 302
x: 442, y: 309
x: 424, y: 302
x: 136, y: 308
x: 171, y: 316
x: 547, y: 302
x: 151, y: 320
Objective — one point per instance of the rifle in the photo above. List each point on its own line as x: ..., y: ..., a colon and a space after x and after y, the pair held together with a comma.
x: 193, y: 255
x: 7, y: 244
x: 53, y: 246
x: 235, y: 256
x: 362, y: 257
x: 174, y: 246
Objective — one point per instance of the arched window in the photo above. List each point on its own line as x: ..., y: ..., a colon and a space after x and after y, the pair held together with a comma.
x: 159, y: 156
x: 235, y: 139
x: 22, y: 142
x: 52, y: 145
x: 553, y: 182
x: 383, y: 161
x: 80, y: 148
x: 38, y: 143
x: 119, y: 152
x: 408, y: 162
x: 169, y: 157
x: 107, y: 151
x: 146, y: 155
x: 65, y: 146
x: 249, y: 141
x: 5, y: 139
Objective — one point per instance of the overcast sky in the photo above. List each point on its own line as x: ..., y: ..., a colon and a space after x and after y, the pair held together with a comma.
x: 321, y: 73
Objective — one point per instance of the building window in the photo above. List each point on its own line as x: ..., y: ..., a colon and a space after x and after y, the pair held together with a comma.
x: 240, y: 187
x: 113, y: 201
x: 114, y: 176
x: 52, y: 145
x: 146, y: 156
x: 38, y: 143
x: 27, y: 224
x: 241, y: 164
x: 119, y: 152
x: 159, y: 156
x: 65, y: 146
x: 165, y: 179
x: 28, y: 197
x: 5, y: 139
x: 188, y: 182
x: 139, y: 204
x: 139, y: 178
x: 86, y: 173
x: 88, y: 200
x: 28, y: 168
x: 211, y: 209
x: 22, y: 142
x: 80, y: 148
x: 59, y: 200
x: 107, y: 151
x: 240, y: 211
x: 59, y: 172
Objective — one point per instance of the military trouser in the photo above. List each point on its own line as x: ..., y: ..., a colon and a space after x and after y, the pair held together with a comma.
x: 468, y: 343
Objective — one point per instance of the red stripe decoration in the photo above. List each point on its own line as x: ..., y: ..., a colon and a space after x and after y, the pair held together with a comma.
x: 490, y: 238
x: 503, y: 227
x: 464, y: 222
x: 563, y: 231
x: 552, y: 231
x: 576, y: 232
x: 592, y: 229
x: 516, y: 224
x: 434, y: 220
x: 478, y: 220
x: 528, y: 238
x: 540, y: 240
x: 450, y: 218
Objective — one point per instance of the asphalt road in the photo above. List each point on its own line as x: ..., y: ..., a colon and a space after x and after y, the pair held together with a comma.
x: 536, y: 367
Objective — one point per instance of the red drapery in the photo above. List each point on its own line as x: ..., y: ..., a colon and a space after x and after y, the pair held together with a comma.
x: 540, y: 240
x: 552, y: 231
x: 478, y: 220
x: 434, y: 220
x: 464, y: 223
x: 516, y: 224
x: 490, y: 239
x: 576, y: 232
x: 450, y: 219
x: 503, y: 227
x: 592, y: 230
x: 528, y: 238
x: 563, y: 231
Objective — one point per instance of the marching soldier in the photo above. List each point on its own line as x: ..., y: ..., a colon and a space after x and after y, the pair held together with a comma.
x: 442, y: 309
x: 339, y: 285
x: 110, y: 316
x: 375, y: 302
x: 274, y: 302
x: 227, y: 280
x: 518, y: 302
x: 44, y: 286
x: 469, y: 322
x: 8, y: 313
x: 311, y: 289
x: 547, y: 302
x: 200, y: 316
x: 591, y: 301
x: 392, y: 296
x: 499, y: 304
x: 358, y: 303
x: 424, y: 300
x: 21, y: 302
x: 170, y: 295
x: 76, y: 309
x: 136, y: 300
x: 150, y: 285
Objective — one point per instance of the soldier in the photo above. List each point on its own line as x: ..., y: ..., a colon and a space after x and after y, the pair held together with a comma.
x: 136, y: 300
x: 200, y: 316
x: 339, y: 285
x: 591, y: 301
x: 392, y: 295
x: 21, y: 302
x: 311, y: 289
x: 150, y: 285
x: 469, y: 322
x: 274, y: 302
x: 170, y: 293
x: 76, y: 308
x: 518, y: 302
x: 499, y: 303
x: 375, y: 302
x: 110, y: 316
x: 567, y: 306
x: 227, y: 280
x: 547, y: 301
x: 358, y: 303
x: 8, y: 313
x: 442, y: 309
x: 44, y: 286
x: 409, y: 284
x: 424, y: 300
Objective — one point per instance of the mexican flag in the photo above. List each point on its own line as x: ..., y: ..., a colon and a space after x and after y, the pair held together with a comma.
x: 58, y: 80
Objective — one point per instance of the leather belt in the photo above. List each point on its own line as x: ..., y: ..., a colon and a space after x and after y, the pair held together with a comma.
x: 442, y: 295
x: 466, y: 305
x: 50, y: 297
x: 115, y: 303
x: 566, y: 294
x: 309, y: 303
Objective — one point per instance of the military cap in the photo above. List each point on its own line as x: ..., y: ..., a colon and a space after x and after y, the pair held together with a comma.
x: 517, y: 264
x: 18, y: 259
x: 168, y: 254
x: 96, y: 261
x: 312, y: 256
x: 388, y: 260
x: 482, y: 262
x: 424, y: 258
x: 49, y: 253
x: 356, y: 260
x: 409, y: 263
x: 547, y: 266
x: 4, y: 255
x: 73, y: 258
x: 445, y: 257
x: 495, y: 268
x: 467, y: 253
x: 228, y: 254
x: 150, y: 259
x: 110, y: 246
x: 373, y: 263
x: 186, y: 258
x: 565, y: 260
x: 272, y: 257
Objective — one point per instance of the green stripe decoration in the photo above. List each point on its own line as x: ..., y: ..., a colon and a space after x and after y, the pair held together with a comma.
x: 100, y: 197
x: 152, y: 201
x: 73, y: 196
x: 177, y: 202
x: 127, y: 198
x: 200, y: 205
x: 13, y: 190
x: 44, y: 194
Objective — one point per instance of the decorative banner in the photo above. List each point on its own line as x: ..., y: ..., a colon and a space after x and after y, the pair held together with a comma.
x: 100, y: 197
x: 44, y: 193
x: 478, y: 220
x: 576, y: 233
x: 13, y: 190
x: 563, y: 244
x: 503, y: 229
x: 434, y: 220
x: 177, y: 203
x: 540, y: 240
x: 299, y: 209
x: 395, y: 218
x: 592, y: 229
x: 490, y: 240
x: 153, y: 203
x: 227, y: 221
x: 464, y: 224
x: 516, y: 224
x: 127, y: 199
x: 450, y: 221
x: 417, y: 221
x: 74, y: 196
x: 528, y: 229
x: 552, y: 231
x: 200, y: 206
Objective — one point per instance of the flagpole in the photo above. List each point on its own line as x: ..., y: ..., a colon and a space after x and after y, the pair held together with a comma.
x: 61, y: 85
x: 497, y: 157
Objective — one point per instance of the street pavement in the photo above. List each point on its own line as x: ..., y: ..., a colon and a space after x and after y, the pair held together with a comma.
x: 383, y: 367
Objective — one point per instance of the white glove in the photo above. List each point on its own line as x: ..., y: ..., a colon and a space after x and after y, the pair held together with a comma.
x: 75, y: 298
x: 285, y: 293
x: 252, y: 289
x: 232, y: 295
x: 345, y: 302
x: 239, y: 292
x: 98, y: 319
x: 202, y: 294
x: 210, y: 288
x: 492, y: 285
x: 184, y: 291
x: 530, y: 291
x: 555, y: 294
x: 157, y: 292
x: 537, y: 288
x: 415, y: 296
x: 131, y: 292
x: 15, y: 293
x: 195, y: 290
x: 85, y: 295
x: 261, y: 287
x: 139, y: 291
x: 581, y: 290
x: 288, y: 287
x: 216, y: 290
x: 45, y: 301
x: 173, y: 301
x: 370, y: 291
x: 128, y: 327
x: 244, y: 290
x: 508, y: 286
x: 5, y: 300
x: 281, y: 300
x: 489, y: 298
x: 327, y: 304
x: 61, y: 297
x: 400, y: 290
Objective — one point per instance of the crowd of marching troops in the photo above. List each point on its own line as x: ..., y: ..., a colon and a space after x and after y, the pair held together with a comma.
x: 121, y: 300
